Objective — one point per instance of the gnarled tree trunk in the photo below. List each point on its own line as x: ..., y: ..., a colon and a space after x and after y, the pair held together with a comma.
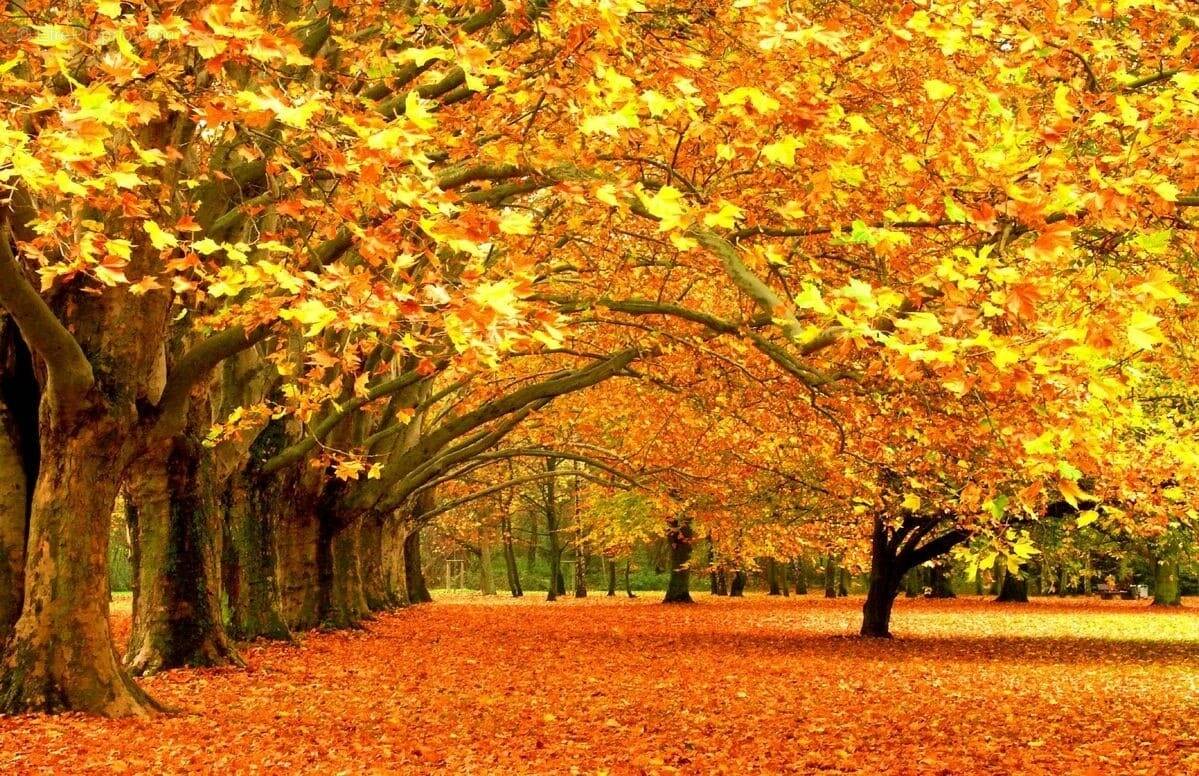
x: 342, y: 598
x: 175, y: 526
x: 250, y: 565
x: 14, y: 512
x: 418, y: 591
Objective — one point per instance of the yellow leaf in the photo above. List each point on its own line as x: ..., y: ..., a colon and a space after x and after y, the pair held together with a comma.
x: 911, y: 502
x: 158, y: 238
x: 782, y: 152
x: 414, y: 109
x: 667, y: 205
x: 938, y: 89
x: 725, y: 218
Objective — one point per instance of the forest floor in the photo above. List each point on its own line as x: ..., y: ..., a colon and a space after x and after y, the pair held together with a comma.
x: 757, y: 685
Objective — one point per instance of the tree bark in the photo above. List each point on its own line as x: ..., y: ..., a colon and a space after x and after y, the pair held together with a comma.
x: 557, y: 585
x: 486, y: 577
x: 175, y: 527
x: 395, y: 579
x: 1165, y: 584
x: 60, y: 656
x: 772, y: 577
x: 610, y: 567
x: 510, y: 565
x: 737, y: 586
x: 679, y: 535
x: 250, y: 566
x: 374, y: 584
x: 342, y: 597
x: 628, y: 581
x: 842, y: 583
x: 14, y: 514
x: 885, y: 575
x: 801, y: 576
x: 830, y: 577
x: 418, y: 591
x: 1013, y: 589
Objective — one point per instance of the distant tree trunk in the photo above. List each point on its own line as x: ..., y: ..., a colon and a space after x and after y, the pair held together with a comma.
x: 1014, y: 589
x: 713, y: 572
x: 1165, y: 584
x: 581, y: 563
x: 843, y: 583
x: 534, y: 540
x: 737, y: 586
x: 486, y: 577
x: 510, y: 557
x: 679, y: 535
x: 913, y: 582
x: 557, y: 585
x: 1000, y: 572
x: 722, y: 581
x: 830, y: 577
x: 418, y: 591
x: 780, y: 571
x: 772, y: 577
x: 628, y: 580
x: 1062, y: 580
x: 610, y: 567
x: 939, y: 582
x: 801, y: 576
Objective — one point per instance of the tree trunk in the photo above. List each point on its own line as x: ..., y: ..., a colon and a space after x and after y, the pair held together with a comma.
x: 610, y: 567
x: 374, y: 583
x: 885, y: 576
x: 395, y: 580
x: 342, y: 598
x: 830, y: 577
x: 297, y: 536
x: 1014, y: 589
x: 250, y: 567
x: 557, y: 586
x: 14, y: 512
x: 510, y: 558
x: 486, y: 578
x: 534, y: 540
x: 418, y: 591
x: 679, y: 535
x: 737, y: 586
x: 772, y: 577
x: 1165, y: 584
x: 60, y: 656
x: 913, y: 582
x: 842, y: 583
x: 628, y: 582
x: 175, y: 529
x: 801, y: 576
x: 939, y: 581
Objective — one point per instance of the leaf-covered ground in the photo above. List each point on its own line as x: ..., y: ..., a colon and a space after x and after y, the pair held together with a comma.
x: 725, y: 686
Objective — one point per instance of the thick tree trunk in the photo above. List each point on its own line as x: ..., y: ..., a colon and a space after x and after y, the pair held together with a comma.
x: 842, y: 583
x: 737, y: 586
x: 250, y: 566
x: 885, y: 576
x: 830, y: 577
x: 679, y: 535
x: 343, y: 599
x: 175, y: 527
x: 14, y: 513
x: 395, y: 580
x: 60, y: 656
x: 418, y: 591
x: 1165, y: 584
x: 297, y: 535
x: 1014, y: 589
x: 19, y: 396
x: 374, y: 583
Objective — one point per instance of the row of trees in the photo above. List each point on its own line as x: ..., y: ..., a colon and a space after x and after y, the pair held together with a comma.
x: 298, y: 278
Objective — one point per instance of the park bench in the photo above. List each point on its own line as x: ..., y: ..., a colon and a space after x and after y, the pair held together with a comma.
x: 1108, y: 592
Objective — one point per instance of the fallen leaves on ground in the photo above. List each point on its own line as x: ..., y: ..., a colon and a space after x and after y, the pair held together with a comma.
x: 759, y: 685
